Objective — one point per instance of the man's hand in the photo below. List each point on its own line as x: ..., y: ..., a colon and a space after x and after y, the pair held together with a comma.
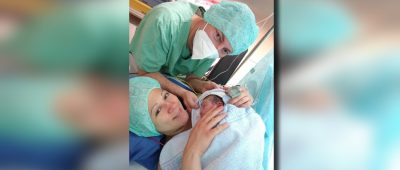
x: 208, y: 85
x: 201, y: 86
x: 189, y: 100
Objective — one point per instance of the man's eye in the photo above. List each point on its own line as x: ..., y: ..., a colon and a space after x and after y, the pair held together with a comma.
x: 166, y: 95
x: 226, y: 51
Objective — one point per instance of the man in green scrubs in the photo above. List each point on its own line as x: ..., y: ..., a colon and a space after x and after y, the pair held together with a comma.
x: 173, y: 40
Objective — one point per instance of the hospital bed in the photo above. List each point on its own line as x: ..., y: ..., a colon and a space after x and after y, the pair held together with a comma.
x: 260, y: 83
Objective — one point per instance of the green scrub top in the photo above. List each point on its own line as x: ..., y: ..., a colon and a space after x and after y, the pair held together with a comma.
x: 160, y: 41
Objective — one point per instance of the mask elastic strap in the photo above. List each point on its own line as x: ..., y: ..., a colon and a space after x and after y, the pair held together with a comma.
x: 205, y: 26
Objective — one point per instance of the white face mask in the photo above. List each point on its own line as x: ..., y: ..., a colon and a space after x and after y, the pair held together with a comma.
x: 203, y: 47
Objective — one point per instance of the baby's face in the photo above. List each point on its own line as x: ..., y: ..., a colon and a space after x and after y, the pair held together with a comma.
x: 210, y: 102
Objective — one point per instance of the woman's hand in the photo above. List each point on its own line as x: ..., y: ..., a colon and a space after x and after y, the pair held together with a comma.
x: 244, y: 100
x: 201, y: 136
x: 205, y: 130
x: 189, y: 100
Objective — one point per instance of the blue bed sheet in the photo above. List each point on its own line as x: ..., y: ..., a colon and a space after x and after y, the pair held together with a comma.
x: 260, y: 83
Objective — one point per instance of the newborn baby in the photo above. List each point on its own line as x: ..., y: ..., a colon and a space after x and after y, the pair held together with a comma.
x: 240, y: 146
x: 210, y: 102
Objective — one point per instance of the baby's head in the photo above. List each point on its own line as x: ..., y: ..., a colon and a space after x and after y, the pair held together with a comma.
x: 210, y: 102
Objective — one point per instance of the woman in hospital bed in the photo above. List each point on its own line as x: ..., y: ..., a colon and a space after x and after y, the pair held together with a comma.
x: 195, y: 144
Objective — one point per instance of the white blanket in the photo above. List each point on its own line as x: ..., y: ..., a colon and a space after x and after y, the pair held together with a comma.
x: 240, y: 146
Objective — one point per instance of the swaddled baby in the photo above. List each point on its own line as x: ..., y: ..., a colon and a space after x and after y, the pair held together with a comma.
x: 210, y: 102
x: 240, y: 146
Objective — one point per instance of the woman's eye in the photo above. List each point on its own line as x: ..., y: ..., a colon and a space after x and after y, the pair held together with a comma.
x: 166, y: 96
x: 158, y: 111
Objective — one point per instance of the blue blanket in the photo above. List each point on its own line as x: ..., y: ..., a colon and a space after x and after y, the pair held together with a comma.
x: 240, y: 146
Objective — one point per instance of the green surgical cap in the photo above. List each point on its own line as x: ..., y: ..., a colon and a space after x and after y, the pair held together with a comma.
x: 140, y: 121
x: 236, y: 21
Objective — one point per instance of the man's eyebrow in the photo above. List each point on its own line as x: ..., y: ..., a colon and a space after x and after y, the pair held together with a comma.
x: 222, y: 35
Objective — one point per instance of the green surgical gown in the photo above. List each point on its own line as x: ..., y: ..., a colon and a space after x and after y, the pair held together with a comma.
x: 160, y: 41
